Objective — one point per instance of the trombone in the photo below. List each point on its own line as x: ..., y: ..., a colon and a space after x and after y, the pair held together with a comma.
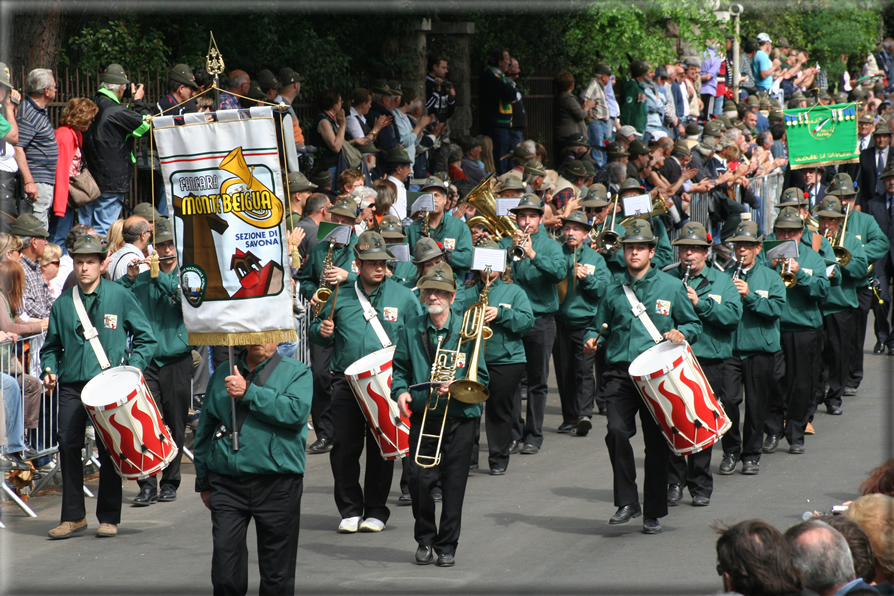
x: 608, y: 240
x: 517, y: 251
x: 842, y: 255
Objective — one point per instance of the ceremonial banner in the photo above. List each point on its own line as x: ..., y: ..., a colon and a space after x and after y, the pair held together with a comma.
x: 822, y: 136
x: 223, y: 183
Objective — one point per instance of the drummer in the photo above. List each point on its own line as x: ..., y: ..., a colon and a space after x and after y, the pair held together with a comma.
x: 361, y: 508
x: 668, y: 307
x: 717, y: 304
x: 69, y: 359
x: 450, y: 232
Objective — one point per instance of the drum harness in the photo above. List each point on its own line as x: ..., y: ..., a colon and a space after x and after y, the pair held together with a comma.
x: 371, y: 316
x: 90, y: 332
x: 639, y: 311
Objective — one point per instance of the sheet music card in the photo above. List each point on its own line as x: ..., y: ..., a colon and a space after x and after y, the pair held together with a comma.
x: 425, y: 202
x: 639, y: 204
x: 401, y: 251
x: 484, y: 257
x: 504, y: 205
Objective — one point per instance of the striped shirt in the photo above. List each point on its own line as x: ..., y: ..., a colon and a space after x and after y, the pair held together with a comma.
x: 37, y: 299
x: 37, y: 139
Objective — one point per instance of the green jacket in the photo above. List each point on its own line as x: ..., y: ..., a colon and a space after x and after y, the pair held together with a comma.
x: 309, y: 277
x: 803, y: 301
x: 844, y: 296
x: 758, y: 331
x: 404, y: 272
x: 454, y: 237
x: 664, y: 252
x: 354, y: 337
x: 115, y: 314
x: 825, y: 250
x: 159, y: 298
x: 615, y: 262
x: 875, y: 243
x: 633, y: 111
x: 584, y: 294
x: 719, y: 309
x: 538, y: 276
x: 514, y: 319
x: 272, y: 438
x: 666, y: 303
x: 412, y: 364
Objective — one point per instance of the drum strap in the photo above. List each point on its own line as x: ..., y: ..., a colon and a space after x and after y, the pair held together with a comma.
x: 371, y: 316
x: 90, y: 332
x: 639, y: 311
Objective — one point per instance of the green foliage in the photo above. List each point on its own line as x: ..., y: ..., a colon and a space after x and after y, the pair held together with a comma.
x: 124, y: 41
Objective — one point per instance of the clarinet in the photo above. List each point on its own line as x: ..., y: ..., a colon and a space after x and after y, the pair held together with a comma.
x: 686, y: 273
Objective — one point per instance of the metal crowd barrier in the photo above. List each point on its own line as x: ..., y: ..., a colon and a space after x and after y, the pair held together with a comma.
x: 768, y: 188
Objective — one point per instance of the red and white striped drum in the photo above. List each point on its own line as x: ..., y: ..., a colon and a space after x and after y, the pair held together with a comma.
x: 673, y: 385
x: 128, y: 422
x: 370, y: 380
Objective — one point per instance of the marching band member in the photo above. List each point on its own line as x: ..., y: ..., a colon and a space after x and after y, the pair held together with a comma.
x: 509, y: 317
x: 69, y: 356
x: 343, y: 212
x: 451, y: 232
x: 391, y: 230
x: 354, y: 337
x: 264, y: 480
x: 168, y: 376
x: 664, y: 254
x: 413, y: 359
x: 541, y: 268
x: 717, y: 304
x: 841, y: 309
x: 670, y: 310
x: 802, y: 336
x: 756, y: 364
x: 579, y: 294
x: 875, y: 244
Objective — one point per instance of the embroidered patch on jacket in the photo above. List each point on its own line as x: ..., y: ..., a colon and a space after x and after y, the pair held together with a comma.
x: 504, y: 305
x: 110, y: 321
x: 763, y: 293
x: 715, y: 297
x: 591, y: 269
x: 354, y: 267
x: 806, y: 270
x: 450, y: 243
x: 461, y: 360
x: 391, y: 314
x: 662, y: 307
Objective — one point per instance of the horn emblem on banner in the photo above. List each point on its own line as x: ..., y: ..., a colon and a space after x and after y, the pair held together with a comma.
x: 234, y: 163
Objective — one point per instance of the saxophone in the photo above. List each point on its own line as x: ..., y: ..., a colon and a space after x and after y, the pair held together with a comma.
x: 426, y: 228
x: 323, y: 293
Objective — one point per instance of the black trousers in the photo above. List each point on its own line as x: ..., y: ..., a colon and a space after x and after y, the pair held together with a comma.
x: 756, y: 375
x: 794, y: 401
x: 72, y: 424
x: 320, y: 358
x: 538, y: 348
x: 623, y: 402
x: 169, y: 385
x: 838, y: 351
x: 865, y: 297
x: 350, y: 433
x: 574, y: 372
x: 600, y: 367
x: 452, y: 471
x: 274, y: 502
x: 504, y: 381
x: 884, y: 275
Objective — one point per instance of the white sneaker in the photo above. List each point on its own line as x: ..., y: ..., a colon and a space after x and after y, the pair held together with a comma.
x: 349, y: 525
x: 371, y: 524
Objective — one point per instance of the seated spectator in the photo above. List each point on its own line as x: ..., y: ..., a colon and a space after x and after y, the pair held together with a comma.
x: 37, y: 300
x: 136, y: 237
x: 823, y: 558
x: 487, y: 153
x: 50, y: 268
x: 472, y: 167
x: 11, y: 453
x: 875, y: 514
x: 114, y: 239
x: 754, y: 559
x: 859, y: 543
x: 348, y: 180
x: 455, y: 162
x: 10, y: 248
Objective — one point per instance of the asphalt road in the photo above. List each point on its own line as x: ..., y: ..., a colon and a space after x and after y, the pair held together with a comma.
x: 541, y: 528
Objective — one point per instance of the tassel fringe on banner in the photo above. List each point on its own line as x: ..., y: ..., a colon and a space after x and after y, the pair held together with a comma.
x: 243, y: 339
x: 822, y: 164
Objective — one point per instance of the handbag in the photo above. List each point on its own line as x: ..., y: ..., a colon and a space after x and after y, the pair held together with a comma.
x: 82, y: 189
x: 352, y: 155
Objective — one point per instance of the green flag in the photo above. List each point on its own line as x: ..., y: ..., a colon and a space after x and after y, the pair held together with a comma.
x: 822, y: 135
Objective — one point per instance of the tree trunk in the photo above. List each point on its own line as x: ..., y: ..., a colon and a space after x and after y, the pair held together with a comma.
x: 36, y: 36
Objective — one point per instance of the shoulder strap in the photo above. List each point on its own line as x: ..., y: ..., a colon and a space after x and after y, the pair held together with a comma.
x: 371, y: 316
x: 639, y: 311
x: 90, y: 333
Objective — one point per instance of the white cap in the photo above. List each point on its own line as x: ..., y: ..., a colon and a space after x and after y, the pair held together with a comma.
x: 763, y: 37
x: 627, y: 130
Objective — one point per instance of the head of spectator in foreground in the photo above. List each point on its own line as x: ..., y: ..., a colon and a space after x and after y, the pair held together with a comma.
x: 875, y: 514
x: 12, y: 284
x: 10, y: 248
x: 859, y: 543
x: 49, y: 261
x: 821, y: 554
x: 881, y: 480
x: 136, y: 232
x: 78, y: 114
x: 754, y: 558
x: 33, y: 235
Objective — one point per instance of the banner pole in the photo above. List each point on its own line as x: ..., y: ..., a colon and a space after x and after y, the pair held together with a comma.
x: 235, y: 434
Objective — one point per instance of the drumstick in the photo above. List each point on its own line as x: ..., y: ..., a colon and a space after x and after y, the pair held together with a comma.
x: 604, y: 327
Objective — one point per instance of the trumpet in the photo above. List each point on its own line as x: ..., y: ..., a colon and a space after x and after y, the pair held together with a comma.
x: 738, y: 273
x: 608, y: 240
x: 686, y: 273
x: 324, y: 291
x: 517, y: 251
x: 788, y: 278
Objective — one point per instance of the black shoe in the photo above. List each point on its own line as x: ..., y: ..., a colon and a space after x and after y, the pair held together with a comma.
x: 497, y: 471
x: 833, y: 410
x: 651, y: 526
x: 565, y: 428
x: 797, y: 449
x: 600, y: 410
x: 583, y: 426
x: 30, y: 453
x: 625, y: 514
x: 701, y: 501
x: 674, y: 494
x: 147, y: 496
x: 12, y: 462
x: 445, y: 560
x: 770, y: 444
x: 473, y: 467
x: 750, y: 468
x: 436, y: 495
x: 530, y: 449
x: 728, y: 463
x: 849, y: 391
x: 424, y: 555
x: 879, y: 348
x: 322, y: 445
x: 514, y: 447
x: 167, y: 494
x: 890, y: 350
x: 405, y: 498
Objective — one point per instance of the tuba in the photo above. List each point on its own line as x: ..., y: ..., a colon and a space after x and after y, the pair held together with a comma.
x: 482, y: 198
